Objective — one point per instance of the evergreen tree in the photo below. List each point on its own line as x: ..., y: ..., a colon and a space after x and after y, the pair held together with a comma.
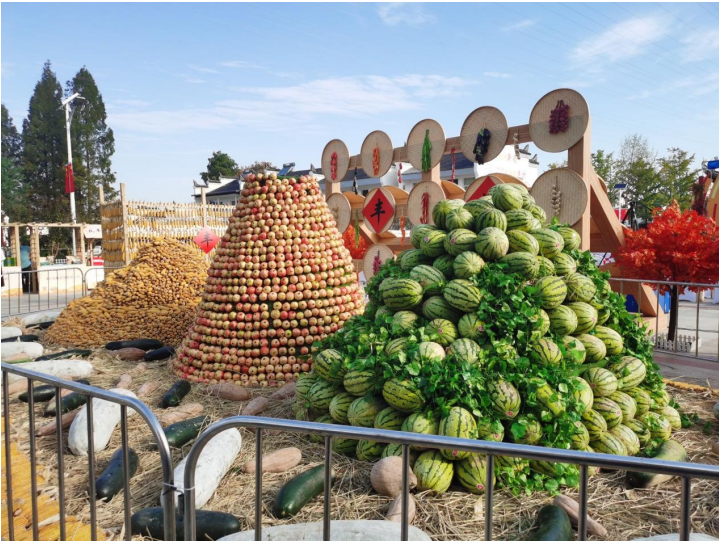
x: 11, y: 139
x: 44, y: 151
x: 603, y: 164
x: 636, y: 169
x: 14, y: 204
x: 93, y: 145
x: 677, y: 176
x: 219, y: 164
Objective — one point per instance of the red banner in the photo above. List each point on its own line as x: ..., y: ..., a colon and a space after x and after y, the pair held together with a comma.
x: 69, y: 179
x: 206, y: 239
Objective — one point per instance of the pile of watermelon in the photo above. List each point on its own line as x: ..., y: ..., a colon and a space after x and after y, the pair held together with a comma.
x: 496, y: 327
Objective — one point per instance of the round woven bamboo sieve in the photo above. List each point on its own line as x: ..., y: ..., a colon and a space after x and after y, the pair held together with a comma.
x: 561, y: 193
x: 414, y: 202
x: 539, y: 120
x: 343, y: 160
x: 341, y: 211
x: 484, y: 117
x: 368, y: 262
x: 415, y: 142
x: 380, y: 140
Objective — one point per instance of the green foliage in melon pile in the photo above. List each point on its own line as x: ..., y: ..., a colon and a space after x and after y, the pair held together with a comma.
x: 513, y: 381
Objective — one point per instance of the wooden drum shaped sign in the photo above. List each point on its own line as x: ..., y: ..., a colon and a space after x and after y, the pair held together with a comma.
x: 378, y: 210
x: 559, y: 120
x: 562, y: 193
x: 483, y: 134
x: 422, y: 199
x: 341, y: 210
x: 335, y: 160
x: 425, y: 144
x: 376, y: 154
x: 376, y: 255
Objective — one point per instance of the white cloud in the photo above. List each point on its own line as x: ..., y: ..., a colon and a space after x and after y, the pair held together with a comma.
x: 691, y: 87
x: 131, y: 103
x: 193, y: 80
x: 268, y: 108
x: 519, y: 25
x: 623, y: 40
x: 400, y: 13
x: 239, y: 64
x: 201, y: 69
x: 702, y: 46
x: 499, y: 75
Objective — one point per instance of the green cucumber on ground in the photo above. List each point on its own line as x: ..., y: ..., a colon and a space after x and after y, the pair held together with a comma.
x: 142, y: 344
x: 68, y: 403
x: 552, y: 523
x: 670, y: 450
x: 112, y: 480
x: 40, y: 394
x: 180, y: 433
x: 300, y: 490
x: 175, y: 394
x: 208, y: 525
x: 65, y: 354
x: 22, y: 339
x: 160, y: 354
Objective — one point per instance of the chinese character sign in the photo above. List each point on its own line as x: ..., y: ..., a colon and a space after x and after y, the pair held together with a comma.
x: 206, y: 239
x: 378, y: 211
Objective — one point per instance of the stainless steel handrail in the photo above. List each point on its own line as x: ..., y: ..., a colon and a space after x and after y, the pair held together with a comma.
x: 141, y: 408
x: 37, y: 302
x: 583, y: 459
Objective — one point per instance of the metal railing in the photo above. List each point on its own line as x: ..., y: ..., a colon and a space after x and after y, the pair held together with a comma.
x: 687, y: 471
x: 91, y: 392
x: 53, y: 288
x: 653, y: 283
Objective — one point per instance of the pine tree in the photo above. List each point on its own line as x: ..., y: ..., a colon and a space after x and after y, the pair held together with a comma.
x: 43, y: 157
x: 93, y: 145
x: 677, y: 176
x: 11, y: 139
x: 219, y: 164
x: 14, y: 204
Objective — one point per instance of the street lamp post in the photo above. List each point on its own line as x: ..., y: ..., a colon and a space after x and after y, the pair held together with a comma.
x: 69, y: 110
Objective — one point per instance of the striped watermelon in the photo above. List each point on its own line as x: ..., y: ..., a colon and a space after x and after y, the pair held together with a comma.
x: 320, y: 396
x: 547, y: 396
x: 536, y: 224
x: 559, y: 471
x: 339, y: 406
x: 572, y: 240
x: 433, y: 472
x: 460, y: 423
x: 326, y: 418
x: 564, y: 264
x: 551, y: 292
x: 364, y: 410
x: 532, y: 431
x: 602, y: 382
x: 514, y: 464
x: 562, y: 320
x: 545, y: 352
x: 582, y: 392
x: 586, y: 316
x: 580, y: 287
x: 506, y: 400
x: 671, y: 414
x: 383, y: 313
x: 329, y: 364
x: 594, y: 422
x: 580, y: 438
x: 490, y: 430
x: 389, y: 419
x: 471, y: 473
x: 403, y: 321
x: 430, y: 352
x: 402, y: 395
x: 609, y: 410
x: 420, y: 422
x: 304, y: 384
x: 659, y: 426
x: 445, y: 265
x: 607, y: 443
x: 544, y: 322
x: 630, y: 372
x: 438, y: 307
x: 603, y: 314
x: 465, y: 350
x: 659, y: 399
x: 550, y: 242
x: 476, y: 206
x: 626, y: 403
x: 611, y: 339
x: 442, y: 209
x: 345, y: 446
x: 641, y: 399
x: 522, y: 263
x: 546, y: 267
x: 432, y: 244
x: 594, y: 347
x: 471, y: 327
x: 459, y: 219
x: 458, y: 241
x: 396, y: 450
x: 628, y: 438
x: 430, y: 278
x: 402, y: 294
x: 443, y: 331
x: 521, y: 241
x: 462, y: 295
x: 576, y: 353
x: 359, y: 383
x: 640, y: 430
x: 369, y: 450
x: 519, y: 219
x: 537, y: 212
x: 490, y: 218
x: 467, y: 264
x: 412, y: 257
x: 395, y: 346
x: 506, y: 197
x: 418, y: 232
x: 527, y: 200
x: 492, y: 244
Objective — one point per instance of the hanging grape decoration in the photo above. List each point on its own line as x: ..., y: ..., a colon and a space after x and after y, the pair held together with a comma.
x: 482, y: 145
x: 559, y: 118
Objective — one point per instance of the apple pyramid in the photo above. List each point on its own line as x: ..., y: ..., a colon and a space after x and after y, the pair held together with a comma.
x: 280, y: 280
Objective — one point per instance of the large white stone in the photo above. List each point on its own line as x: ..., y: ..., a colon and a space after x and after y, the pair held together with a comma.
x: 356, y: 529
x: 33, y: 350
x: 10, y: 332
x: 40, y: 317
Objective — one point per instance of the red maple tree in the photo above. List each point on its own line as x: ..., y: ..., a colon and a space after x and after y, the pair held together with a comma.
x: 677, y: 246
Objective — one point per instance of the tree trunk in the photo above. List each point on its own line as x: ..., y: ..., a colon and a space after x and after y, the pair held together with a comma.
x: 673, y: 312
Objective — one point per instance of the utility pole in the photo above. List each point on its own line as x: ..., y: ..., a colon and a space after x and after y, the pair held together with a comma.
x: 69, y: 175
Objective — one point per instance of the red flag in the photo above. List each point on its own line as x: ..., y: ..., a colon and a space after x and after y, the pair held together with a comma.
x: 69, y: 179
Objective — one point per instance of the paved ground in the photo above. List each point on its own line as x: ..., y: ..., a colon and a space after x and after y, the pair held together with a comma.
x: 27, y: 303
x: 687, y: 369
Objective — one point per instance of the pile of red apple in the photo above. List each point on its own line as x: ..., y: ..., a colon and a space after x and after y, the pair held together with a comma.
x: 281, y: 279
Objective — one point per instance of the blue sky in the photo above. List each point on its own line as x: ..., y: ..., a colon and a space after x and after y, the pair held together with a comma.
x: 277, y: 81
